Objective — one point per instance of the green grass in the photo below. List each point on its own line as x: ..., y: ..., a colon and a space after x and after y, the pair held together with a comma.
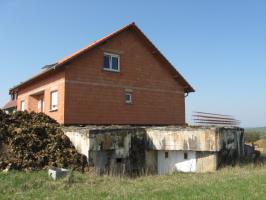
x: 230, y: 183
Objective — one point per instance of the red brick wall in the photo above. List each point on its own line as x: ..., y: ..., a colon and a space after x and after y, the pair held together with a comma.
x: 96, y: 96
x: 46, y: 84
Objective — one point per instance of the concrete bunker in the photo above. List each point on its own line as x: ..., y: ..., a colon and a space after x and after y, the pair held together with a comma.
x: 158, y: 150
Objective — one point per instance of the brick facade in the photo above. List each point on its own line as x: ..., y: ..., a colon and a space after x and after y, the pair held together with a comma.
x: 43, y: 87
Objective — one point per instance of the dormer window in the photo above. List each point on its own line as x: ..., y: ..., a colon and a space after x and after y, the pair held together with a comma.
x: 111, y: 62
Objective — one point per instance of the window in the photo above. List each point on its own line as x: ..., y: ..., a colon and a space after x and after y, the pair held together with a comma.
x: 41, y: 105
x: 166, y: 154
x: 185, y: 156
x: 54, y: 100
x: 23, y: 105
x: 128, y: 97
x: 111, y: 62
x: 14, y: 96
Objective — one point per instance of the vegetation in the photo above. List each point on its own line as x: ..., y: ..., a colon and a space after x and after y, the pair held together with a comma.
x: 230, y: 183
x: 255, y: 134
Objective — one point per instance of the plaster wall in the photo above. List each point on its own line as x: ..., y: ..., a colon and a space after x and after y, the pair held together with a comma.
x: 176, y: 162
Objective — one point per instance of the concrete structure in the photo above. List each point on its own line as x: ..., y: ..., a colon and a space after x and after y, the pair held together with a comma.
x: 80, y: 138
x: 136, y: 150
x: 57, y: 173
x: 176, y: 161
x: 120, y: 79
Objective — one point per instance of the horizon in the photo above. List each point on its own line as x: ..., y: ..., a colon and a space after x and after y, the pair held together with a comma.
x: 219, y: 48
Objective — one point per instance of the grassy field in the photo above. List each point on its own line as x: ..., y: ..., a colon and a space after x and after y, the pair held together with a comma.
x: 254, y: 134
x: 230, y: 183
x: 260, y: 129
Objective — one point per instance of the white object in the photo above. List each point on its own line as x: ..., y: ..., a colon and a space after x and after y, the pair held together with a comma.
x: 176, y: 161
x: 57, y: 173
x: 41, y: 105
x: 23, y: 105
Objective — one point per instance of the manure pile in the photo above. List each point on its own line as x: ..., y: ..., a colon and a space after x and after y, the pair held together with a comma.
x: 34, y: 141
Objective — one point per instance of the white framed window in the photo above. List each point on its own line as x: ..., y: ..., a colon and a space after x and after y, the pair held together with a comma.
x: 22, y: 105
x: 54, y: 100
x: 41, y: 105
x: 128, y: 98
x: 111, y: 62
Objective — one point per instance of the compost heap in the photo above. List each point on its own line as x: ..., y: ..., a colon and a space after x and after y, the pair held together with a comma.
x: 33, y: 141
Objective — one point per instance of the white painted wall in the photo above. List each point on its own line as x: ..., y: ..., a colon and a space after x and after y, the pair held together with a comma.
x: 176, y: 162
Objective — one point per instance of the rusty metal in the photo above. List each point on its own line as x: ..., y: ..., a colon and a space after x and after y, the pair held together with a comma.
x: 211, y: 119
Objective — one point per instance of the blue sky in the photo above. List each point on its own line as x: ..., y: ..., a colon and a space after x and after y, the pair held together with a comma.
x: 219, y: 46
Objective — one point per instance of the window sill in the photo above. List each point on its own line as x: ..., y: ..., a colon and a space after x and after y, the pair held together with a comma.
x: 111, y: 70
x: 54, y: 110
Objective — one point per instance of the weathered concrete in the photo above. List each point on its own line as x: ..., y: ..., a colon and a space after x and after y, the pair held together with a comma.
x: 79, y: 138
x: 121, y: 150
x: 195, y: 139
x: 136, y: 150
x: 190, y: 139
x: 206, y: 161
x: 151, y: 161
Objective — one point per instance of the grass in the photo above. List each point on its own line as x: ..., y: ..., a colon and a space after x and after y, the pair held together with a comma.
x: 230, y: 183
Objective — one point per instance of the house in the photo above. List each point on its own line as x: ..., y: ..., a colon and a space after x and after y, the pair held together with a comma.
x: 11, y: 105
x: 121, y: 78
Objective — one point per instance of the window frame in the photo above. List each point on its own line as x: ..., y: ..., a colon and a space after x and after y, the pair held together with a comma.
x: 41, y: 105
x: 131, y: 97
x: 110, y: 68
x: 22, y: 102
x: 51, y: 101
